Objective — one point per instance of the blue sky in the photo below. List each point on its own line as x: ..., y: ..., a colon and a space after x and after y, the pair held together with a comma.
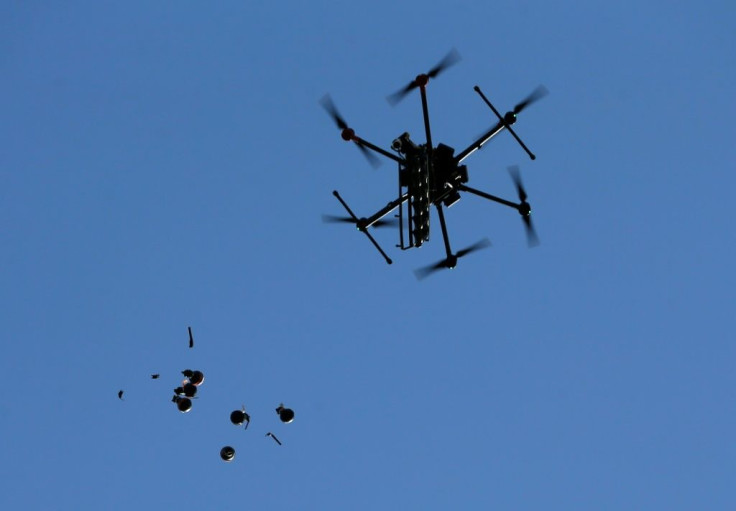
x: 167, y: 164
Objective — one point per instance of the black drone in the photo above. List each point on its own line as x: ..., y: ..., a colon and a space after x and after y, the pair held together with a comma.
x: 430, y: 175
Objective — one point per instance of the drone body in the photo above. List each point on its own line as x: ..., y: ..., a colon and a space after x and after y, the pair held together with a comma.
x: 431, y: 175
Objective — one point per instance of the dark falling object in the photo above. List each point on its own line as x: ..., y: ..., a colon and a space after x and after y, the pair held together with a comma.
x: 238, y: 417
x: 155, y: 376
x: 191, y: 337
x: 431, y: 176
x: 120, y: 395
x: 274, y: 437
x: 196, y: 378
x: 189, y: 390
x: 227, y: 453
x: 184, y: 404
x: 285, y: 414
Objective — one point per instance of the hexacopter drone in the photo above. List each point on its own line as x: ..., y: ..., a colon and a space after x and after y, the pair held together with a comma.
x: 430, y: 175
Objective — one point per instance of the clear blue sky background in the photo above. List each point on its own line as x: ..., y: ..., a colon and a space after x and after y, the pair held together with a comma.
x: 166, y: 164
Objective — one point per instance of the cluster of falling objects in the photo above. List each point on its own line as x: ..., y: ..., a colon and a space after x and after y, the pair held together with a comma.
x: 241, y: 417
x: 184, y: 394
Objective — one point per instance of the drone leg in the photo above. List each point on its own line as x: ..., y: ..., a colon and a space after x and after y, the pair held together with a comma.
x: 488, y: 196
x: 362, y: 228
x: 503, y: 121
x: 378, y: 247
x: 445, y: 237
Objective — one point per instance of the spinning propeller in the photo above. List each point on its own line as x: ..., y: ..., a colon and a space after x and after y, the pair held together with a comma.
x: 421, y: 80
x: 361, y: 223
x: 524, y: 208
x: 348, y: 134
x: 450, y: 261
x: 535, y: 96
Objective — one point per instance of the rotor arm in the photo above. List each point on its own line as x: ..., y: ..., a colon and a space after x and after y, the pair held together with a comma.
x: 388, y: 208
x: 427, y: 131
x: 364, y: 143
x: 480, y: 142
x: 361, y: 227
x: 488, y: 196
x: 445, y: 237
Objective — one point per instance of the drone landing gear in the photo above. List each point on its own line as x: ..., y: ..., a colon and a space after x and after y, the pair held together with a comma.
x: 504, y: 122
x: 362, y: 224
x: 510, y: 117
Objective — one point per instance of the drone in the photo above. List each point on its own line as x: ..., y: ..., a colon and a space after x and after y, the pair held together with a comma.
x: 431, y: 175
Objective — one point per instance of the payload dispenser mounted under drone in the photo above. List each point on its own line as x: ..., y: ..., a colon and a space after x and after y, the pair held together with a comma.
x: 430, y: 175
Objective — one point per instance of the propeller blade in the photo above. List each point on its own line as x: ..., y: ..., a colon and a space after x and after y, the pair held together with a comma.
x: 448, y: 60
x: 373, y: 160
x: 397, y: 96
x: 536, y: 95
x: 450, y: 262
x: 484, y: 243
x: 452, y: 58
x: 383, y: 222
x: 426, y: 271
x: 531, y: 234
x: 331, y: 109
x: 516, y: 177
x: 334, y: 219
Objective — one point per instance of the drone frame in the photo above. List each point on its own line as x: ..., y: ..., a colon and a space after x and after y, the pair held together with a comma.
x: 417, y: 168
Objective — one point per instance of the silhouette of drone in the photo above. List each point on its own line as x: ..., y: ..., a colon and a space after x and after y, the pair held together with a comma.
x: 431, y: 175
